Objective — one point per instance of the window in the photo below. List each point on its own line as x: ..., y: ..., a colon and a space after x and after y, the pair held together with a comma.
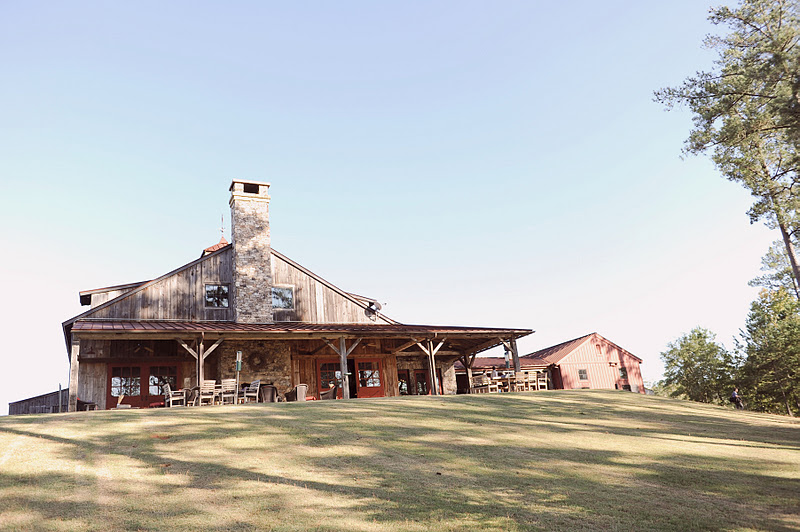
x: 161, y: 375
x: 623, y: 373
x: 369, y: 376
x: 217, y: 295
x: 583, y: 374
x: 125, y: 381
x: 283, y: 297
x: 330, y: 373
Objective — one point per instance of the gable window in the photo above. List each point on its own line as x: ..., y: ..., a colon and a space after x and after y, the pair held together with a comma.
x: 583, y: 374
x: 283, y: 297
x: 623, y: 373
x: 217, y: 295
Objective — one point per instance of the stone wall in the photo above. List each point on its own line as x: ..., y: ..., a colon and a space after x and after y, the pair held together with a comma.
x: 447, y: 367
x: 269, y: 361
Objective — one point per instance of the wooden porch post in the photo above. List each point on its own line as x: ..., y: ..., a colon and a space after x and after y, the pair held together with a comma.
x: 511, y: 345
x: 515, y: 354
x: 201, y: 358
x: 432, y: 357
x: 75, y: 351
x: 343, y: 368
x: 343, y: 353
x: 429, y: 350
x: 468, y: 360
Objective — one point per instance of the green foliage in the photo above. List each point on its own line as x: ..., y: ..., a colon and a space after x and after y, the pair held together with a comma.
x: 745, y: 111
x: 770, y: 376
x: 697, y: 368
x: 778, y: 271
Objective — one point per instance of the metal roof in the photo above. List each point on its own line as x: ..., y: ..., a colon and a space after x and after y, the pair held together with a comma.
x: 91, y: 325
x: 556, y: 353
x: 463, y: 340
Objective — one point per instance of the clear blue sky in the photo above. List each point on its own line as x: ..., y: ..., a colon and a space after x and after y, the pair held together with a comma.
x: 471, y: 163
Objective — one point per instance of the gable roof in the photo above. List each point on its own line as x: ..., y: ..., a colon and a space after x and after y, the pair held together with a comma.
x: 139, y: 287
x: 554, y: 354
x: 557, y: 353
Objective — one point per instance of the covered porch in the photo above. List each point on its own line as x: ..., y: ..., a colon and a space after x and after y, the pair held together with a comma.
x: 108, y: 357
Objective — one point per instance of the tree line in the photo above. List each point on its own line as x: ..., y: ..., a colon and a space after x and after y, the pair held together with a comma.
x: 746, y: 118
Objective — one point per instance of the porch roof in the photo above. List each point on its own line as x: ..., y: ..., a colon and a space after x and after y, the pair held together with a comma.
x: 464, y: 339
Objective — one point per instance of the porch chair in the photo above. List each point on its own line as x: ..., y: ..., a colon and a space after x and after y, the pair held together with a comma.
x: 251, y: 392
x: 298, y: 394
x: 171, y: 397
x: 521, y: 383
x: 484, y: 384
x: 541, y: 380
x: 329, y: 393
x: 228, y: 391
x: 208, y: 392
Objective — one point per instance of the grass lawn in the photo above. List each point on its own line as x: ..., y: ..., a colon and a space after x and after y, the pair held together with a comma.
x: 560, y: 460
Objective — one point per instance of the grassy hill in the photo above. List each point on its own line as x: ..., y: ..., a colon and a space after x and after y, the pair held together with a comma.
x: 562, y: 460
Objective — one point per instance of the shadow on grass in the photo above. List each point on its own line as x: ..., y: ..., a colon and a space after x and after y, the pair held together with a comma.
x: 452, y: 463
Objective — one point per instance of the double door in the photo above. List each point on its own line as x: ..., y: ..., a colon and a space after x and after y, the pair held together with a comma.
x: 139, y: 385
x: 366, y: 376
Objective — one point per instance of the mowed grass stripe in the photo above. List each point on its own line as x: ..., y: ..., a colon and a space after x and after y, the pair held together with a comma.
x: 561, y: 460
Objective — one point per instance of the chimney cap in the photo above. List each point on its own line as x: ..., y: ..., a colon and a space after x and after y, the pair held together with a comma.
x: 247, y: 182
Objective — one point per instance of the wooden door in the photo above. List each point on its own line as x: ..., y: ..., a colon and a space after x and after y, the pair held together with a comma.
x: 329, y: 372
x: 421, y: 378
x: 369, y: 378
x: 139, y: 385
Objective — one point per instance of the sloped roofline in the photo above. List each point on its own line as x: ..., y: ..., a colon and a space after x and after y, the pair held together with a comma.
x: 138, y: 287
x: 581, y: 341
x: 110, y: 288
x: 358, y: 300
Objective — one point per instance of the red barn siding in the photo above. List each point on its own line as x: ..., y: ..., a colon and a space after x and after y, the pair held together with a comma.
x: 601, y: 360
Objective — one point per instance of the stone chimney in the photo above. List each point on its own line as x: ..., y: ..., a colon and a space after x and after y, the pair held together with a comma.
x: 252, y: 275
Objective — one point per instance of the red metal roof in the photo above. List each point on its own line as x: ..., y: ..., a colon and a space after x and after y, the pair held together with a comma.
x: 497, y: 362
x: 90, y: 325
x: 221, y: 244
x: 552, y: 355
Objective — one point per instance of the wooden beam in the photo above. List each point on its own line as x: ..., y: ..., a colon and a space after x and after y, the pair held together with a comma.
x: 343, y: 368
x: 185, y: 346
x: 75, y: 351
x: 404, y: 346
x: 350, y: 349
x: 320, y: 348
x: 211, y: 349
x: 484, y: 346
x: 515, y: 354
x: 200, y: 360
x: 330, y: 344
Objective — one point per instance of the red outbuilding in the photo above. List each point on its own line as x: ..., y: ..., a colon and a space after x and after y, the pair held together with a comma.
x: 590, y: 361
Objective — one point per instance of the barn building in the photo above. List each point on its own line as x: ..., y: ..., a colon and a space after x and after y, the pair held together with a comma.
x: 591, y: 362
x: 290, y: 325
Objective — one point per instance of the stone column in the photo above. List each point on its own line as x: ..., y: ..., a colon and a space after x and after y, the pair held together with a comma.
x: 252, y: 274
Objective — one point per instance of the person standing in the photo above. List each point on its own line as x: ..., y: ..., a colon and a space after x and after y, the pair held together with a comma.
x: 736, y: 399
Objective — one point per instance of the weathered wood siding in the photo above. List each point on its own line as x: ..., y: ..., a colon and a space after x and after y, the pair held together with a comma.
x: 314, y: 301
x: 101, y: 297
x: 602, y: 361
x: 41, y: 404
x: 179, y: 296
